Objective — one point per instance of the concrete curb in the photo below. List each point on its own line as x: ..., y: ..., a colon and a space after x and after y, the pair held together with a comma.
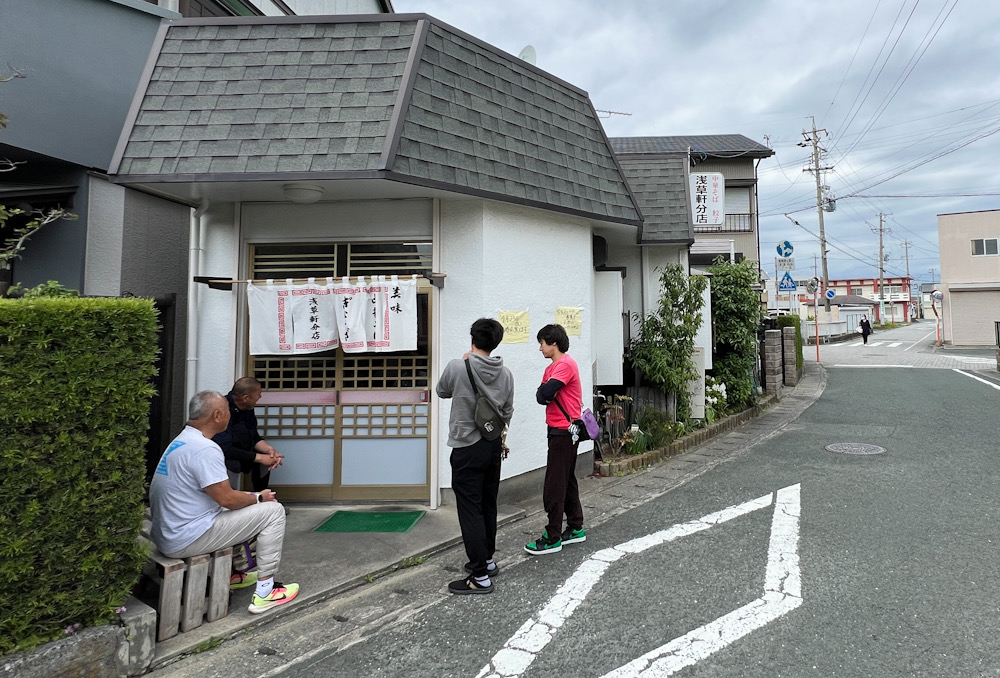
x: 684, y: 443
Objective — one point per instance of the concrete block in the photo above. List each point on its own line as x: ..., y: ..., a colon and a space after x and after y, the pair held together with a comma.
x: 91, y: 652
x: 138, y: 646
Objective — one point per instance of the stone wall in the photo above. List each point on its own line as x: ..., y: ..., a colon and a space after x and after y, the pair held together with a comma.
x: 773, y: 369
x: 788, y: 353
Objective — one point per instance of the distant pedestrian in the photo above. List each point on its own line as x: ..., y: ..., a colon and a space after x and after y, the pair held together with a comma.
x: 475, y: 461
x: 562, y: 394
x: 866, y: 328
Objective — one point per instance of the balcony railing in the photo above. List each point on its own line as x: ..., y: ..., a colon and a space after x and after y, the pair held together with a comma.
x: 735, y: 223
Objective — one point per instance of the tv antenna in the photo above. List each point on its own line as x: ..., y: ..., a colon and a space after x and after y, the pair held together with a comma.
x: 608, y: 114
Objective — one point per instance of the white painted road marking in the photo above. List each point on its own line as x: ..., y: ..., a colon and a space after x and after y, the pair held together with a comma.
x: 782, y: 593
x: 972, y: 376
x: 895, y: 344
x: 929, y: 335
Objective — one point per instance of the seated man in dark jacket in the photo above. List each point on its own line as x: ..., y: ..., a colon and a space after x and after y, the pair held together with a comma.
x: 244, y: 449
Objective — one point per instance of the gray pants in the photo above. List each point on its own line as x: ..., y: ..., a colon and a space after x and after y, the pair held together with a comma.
x: 266, y: 520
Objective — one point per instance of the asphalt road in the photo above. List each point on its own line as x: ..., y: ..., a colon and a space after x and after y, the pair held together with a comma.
x: 889, y: 558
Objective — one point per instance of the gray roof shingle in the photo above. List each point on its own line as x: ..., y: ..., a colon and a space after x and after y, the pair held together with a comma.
x: 660, y: 187
x: 320, y: 94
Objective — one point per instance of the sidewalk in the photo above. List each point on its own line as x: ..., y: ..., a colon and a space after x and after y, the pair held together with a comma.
x: 328, y: 564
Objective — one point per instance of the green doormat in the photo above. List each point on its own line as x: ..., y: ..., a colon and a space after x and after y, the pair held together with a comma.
x: 370, y: 521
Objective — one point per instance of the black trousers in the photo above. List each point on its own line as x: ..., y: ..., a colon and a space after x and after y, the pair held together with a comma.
x: 561, y: 492
x: 475, y: 479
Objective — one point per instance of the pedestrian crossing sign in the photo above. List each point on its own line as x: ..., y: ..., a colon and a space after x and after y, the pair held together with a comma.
x: 787, y: 284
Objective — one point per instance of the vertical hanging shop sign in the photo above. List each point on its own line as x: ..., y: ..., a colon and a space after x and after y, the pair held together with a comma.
x: 708, y: 199
x: 314, y: 320
x: 290, y: 319
x: 379, y: 316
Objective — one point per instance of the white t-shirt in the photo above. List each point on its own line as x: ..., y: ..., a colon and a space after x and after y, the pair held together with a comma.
x: 182, y: 510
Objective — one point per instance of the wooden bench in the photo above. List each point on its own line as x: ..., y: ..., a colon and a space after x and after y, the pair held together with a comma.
x: 192, y: 590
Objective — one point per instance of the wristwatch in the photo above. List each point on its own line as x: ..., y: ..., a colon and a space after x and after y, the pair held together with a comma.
x: 260, y: 498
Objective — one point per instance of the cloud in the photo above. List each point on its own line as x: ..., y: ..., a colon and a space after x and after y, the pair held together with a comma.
x: 899, y: 87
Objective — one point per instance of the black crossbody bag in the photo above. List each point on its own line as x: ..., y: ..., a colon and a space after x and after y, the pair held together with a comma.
x: 488, y: 419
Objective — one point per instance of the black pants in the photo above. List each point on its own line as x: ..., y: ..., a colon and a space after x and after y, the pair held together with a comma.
x: 561, y: 493
x: 259, y: 477
x: 475, y: 479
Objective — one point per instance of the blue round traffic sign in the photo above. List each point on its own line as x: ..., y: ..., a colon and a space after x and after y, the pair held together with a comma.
x: 830, y: 294
x: 785, y: 249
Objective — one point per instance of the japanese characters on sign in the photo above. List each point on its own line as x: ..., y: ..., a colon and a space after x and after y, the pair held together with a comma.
x: 571, y: 318
x: 379, y: 316
x: 708, y: 199
x: 516, y: 326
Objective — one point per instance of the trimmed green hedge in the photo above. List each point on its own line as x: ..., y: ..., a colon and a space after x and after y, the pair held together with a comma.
x: 793, y: 321
x: 75, y: 387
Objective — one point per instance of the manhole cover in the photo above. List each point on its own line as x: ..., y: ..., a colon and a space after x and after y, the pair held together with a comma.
x: 855, y: 448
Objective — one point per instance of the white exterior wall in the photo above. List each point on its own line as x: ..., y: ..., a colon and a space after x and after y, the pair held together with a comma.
x: 655, y: 257
x: 496, y: 257
x: 216, y: 309
x: 501, y: 257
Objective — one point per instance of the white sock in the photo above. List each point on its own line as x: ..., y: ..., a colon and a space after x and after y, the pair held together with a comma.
x: 264, y: 587
x: 484, y: 581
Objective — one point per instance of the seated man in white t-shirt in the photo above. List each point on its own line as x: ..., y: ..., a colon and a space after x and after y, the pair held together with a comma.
x: 195, y: 509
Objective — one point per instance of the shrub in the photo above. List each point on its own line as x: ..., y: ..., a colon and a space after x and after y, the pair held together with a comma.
x: 51, y: 288
x: 636, y: 442
x: 715, y: 399
x: 793, y: 321
x: 663, y: 346
x: 657, y: 425
x: 75, y: 387
x: 736, y: 315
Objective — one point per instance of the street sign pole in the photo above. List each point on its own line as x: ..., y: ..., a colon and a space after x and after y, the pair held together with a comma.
x: 816, y: 315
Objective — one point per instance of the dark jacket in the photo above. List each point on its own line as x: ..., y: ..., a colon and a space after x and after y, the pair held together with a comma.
x: 238, y: 440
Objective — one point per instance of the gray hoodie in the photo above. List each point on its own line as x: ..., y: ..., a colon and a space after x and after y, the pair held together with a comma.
x: 493, y: 381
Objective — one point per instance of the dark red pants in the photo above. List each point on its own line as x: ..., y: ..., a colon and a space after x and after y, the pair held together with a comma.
x: 561, y: 494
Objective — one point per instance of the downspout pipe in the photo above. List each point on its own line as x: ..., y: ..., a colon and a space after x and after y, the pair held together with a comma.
x: 195, y: 248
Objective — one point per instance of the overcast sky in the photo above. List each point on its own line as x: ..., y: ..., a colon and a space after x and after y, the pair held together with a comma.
x: 908, y: 92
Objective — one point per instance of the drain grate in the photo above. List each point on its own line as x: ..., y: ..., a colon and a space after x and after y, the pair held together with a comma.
x: 855, y: 448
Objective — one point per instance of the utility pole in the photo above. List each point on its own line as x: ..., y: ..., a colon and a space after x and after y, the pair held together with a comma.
x: 815, y: 272
x: 812, y: 138
x: 909, y: 286
x: 881, y: 268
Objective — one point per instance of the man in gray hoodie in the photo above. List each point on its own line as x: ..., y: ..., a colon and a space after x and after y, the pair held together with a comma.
x: 475, y: 461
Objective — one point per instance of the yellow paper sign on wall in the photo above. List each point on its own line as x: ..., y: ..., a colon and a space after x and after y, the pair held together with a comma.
x: 571, y: 318
x: 516, y: 326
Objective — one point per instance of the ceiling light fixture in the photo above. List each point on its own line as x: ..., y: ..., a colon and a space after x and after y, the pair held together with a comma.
x: 303, y: 193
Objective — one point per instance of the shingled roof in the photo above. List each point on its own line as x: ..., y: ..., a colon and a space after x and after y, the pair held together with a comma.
x: 660, y: 186
x: 404, y: 98
x: 710, y: 145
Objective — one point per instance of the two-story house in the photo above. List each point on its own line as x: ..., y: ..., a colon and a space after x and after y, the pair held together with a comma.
x: 970, y: 276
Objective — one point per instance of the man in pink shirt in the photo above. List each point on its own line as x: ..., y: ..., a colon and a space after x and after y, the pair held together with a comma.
x: 562, y: 395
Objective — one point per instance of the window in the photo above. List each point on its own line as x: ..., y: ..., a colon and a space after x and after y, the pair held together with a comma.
x: 984, y: 247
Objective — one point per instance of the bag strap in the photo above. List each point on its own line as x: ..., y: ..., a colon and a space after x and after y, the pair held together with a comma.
x: 555, y: 399
x: 468, y: 368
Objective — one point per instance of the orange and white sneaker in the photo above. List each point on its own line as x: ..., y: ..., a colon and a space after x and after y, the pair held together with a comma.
x: 279, y: 595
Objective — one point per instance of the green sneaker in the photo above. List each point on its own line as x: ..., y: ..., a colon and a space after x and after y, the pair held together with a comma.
x: 571, y: 536
x: 241, y: 580
x: 544, y: 545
